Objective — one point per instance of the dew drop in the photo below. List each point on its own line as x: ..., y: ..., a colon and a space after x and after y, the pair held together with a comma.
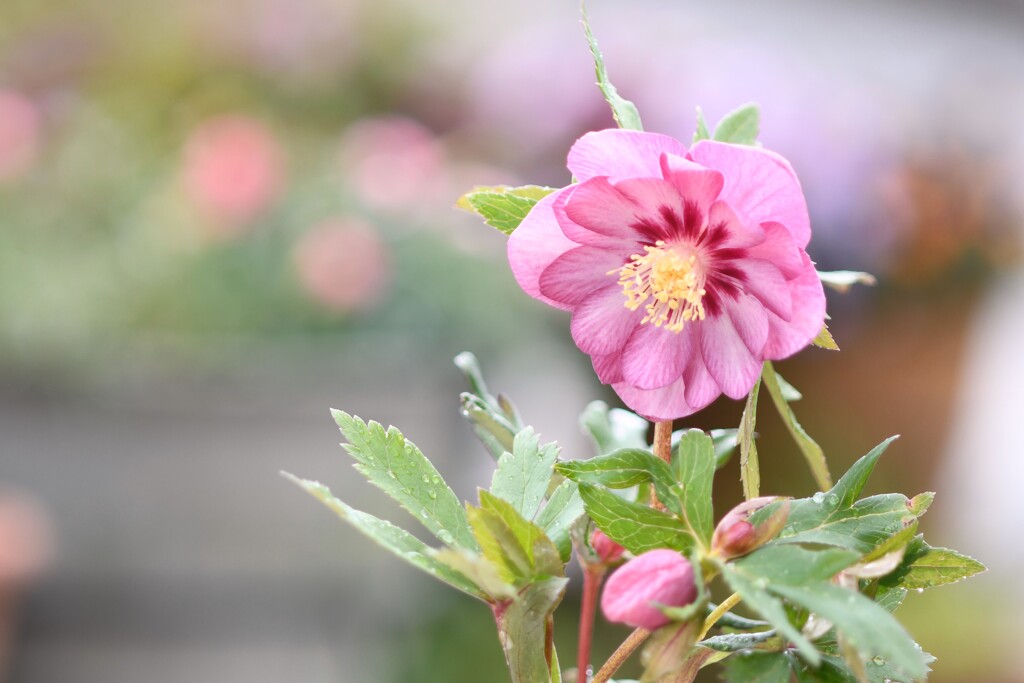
x: 391, y: 473
x: 426, y: 479
x: 818, y: 497
x: 445, y: 536
x: 877, y: 661
x: 432, y: 493
x: 920, y: 590
x: 761, y: 583
x: 435, y: 480
x: 833, y: 499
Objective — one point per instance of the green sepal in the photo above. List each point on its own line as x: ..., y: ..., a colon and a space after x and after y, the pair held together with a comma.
x: 503, y: 207
x: 624, y: 112
x: 740, y: 126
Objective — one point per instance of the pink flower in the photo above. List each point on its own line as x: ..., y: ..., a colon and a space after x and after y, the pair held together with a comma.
x: 657, y: 576
x: 343, y: 264
x: 606, y: 549
x: 233, y: 170
x: 19, y: 134
x: 735, y: 536
x: 684, y: 270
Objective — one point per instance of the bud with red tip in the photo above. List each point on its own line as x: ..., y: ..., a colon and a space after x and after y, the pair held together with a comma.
x: 657, y: 577
x: 607, y: 550
x: 735, y: 535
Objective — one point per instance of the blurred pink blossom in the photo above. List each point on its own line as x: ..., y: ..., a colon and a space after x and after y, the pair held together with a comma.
x: 393, y: 163
x: 343, y: 264
x: 233, y: 170
x: 19, y: 134
x: 26, y: 540
x: 659, y: 576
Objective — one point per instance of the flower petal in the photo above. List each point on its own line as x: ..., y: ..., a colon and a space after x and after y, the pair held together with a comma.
x: 654, y: 357
x: 750, y: 320
x: 766, y: 282
x: 787, y: 337
x: 779, y: 249
x: 727, y: 357
x: 660, y: 212
x: 597, y: 206
x: 666, y: 403
x: 759, y: 184
x: 695, y: 183
x: 601, y: 324
x: 726, y: 229
x: 579, y: 272
x: 535, y: 244
x: 608, y: 368
x: 620, y: 154
x: 700, y: 388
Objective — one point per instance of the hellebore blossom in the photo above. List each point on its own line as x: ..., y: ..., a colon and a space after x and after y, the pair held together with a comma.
x: 658, y: 576
x: 735, y: 535
x: 684, y: 270
x: 606, y: 549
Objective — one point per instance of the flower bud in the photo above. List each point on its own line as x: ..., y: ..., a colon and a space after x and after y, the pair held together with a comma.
x: 735, y: 535
x: 658, y: 576
x: 606, y: 549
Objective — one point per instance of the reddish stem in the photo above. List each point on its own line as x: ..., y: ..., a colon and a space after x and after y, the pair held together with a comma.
x: 662, y: 449
x: 593, y: 577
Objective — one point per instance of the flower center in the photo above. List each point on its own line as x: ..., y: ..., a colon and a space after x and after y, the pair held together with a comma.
x: 670, y: 282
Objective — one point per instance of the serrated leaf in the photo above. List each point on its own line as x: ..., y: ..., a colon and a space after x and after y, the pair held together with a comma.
x: 523, y: 629
x: 613, y: 429
x: 396, y: 466
x: 544, y: 556
x: 701, y: 133
x: 503, y: 207
x: 757, y: 667
x: 890, y: 599
x: 750, y: 471
x: 637, y: 528
x: 523, y: 475
x: 926, y: 567
x: 740, y: 126
x: 866, y: 626
x: 825, y: 340
x: 624, y: 469
x: 694, y: 467
x: 624, y: 111
x: 842, y: 280
x: 563, y: 508
x: 390, y: 537
x: 810, y: 449
x: 920, y: 503
x: 861, y: 527
x: 478, y: 569
x: 793, y: 564
x: 519, y: 548
x: 897, y: 541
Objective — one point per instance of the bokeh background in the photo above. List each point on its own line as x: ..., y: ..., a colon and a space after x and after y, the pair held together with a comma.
x: 218, y: 219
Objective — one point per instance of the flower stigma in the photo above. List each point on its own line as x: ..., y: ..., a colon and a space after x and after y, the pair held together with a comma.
x: 671, y: 281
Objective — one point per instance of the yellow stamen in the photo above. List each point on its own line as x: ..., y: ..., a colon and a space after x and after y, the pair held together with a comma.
x: 671, y: 281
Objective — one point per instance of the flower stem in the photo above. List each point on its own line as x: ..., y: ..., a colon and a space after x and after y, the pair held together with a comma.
x: 662, y: 449
x: 713, y: 618
x: 619, y: 657
x: 593, y: 577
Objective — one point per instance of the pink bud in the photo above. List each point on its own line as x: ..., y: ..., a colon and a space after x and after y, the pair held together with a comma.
x: 608, y: 550
x: 735, y: 536
x: 657, y: 576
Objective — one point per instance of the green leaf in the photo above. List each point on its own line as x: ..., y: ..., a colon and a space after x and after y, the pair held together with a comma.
x: 523, y: 630
x: 635, y: 527
x: 733, y: 642
x: 493, y: 429
x: 726, y: 441
x: 702, y: 127
x: 613, y: 429
x: 523, y: 475
x: 694, y: 466
x: 825, y: 340
x: 754, y: 592
x: 794, y: 565
x: 842, y: 280
x: 516, y: 546
x: 563, y: 508
x: 503, y: 207
x: 666, y: 649
x: 624, y: 111
x: 388, y: 536
x: 624, y: 469
x: 740, y: 126
x: 478, y: 569
x: 849, y: 487
x: 470, y: 367
x: 812, y: 452
x: 750, y: 471
x: 890, y: 599
x: 926, y: 567
x: 866, y: 626
x: 757, y: 667
x: 398, y: 468
x: 831, y: 670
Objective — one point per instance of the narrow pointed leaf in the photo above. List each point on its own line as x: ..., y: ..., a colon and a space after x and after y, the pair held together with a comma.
x: 842, y: 280
x: 825, y: 340
x: 398, y: 541
x: 926, y: 567
x: 812, y: 452
x: 750, y: 471
x: 398, y: 468
x: 701, y: 133
x: 624, y: 111
x: 563, y: 508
